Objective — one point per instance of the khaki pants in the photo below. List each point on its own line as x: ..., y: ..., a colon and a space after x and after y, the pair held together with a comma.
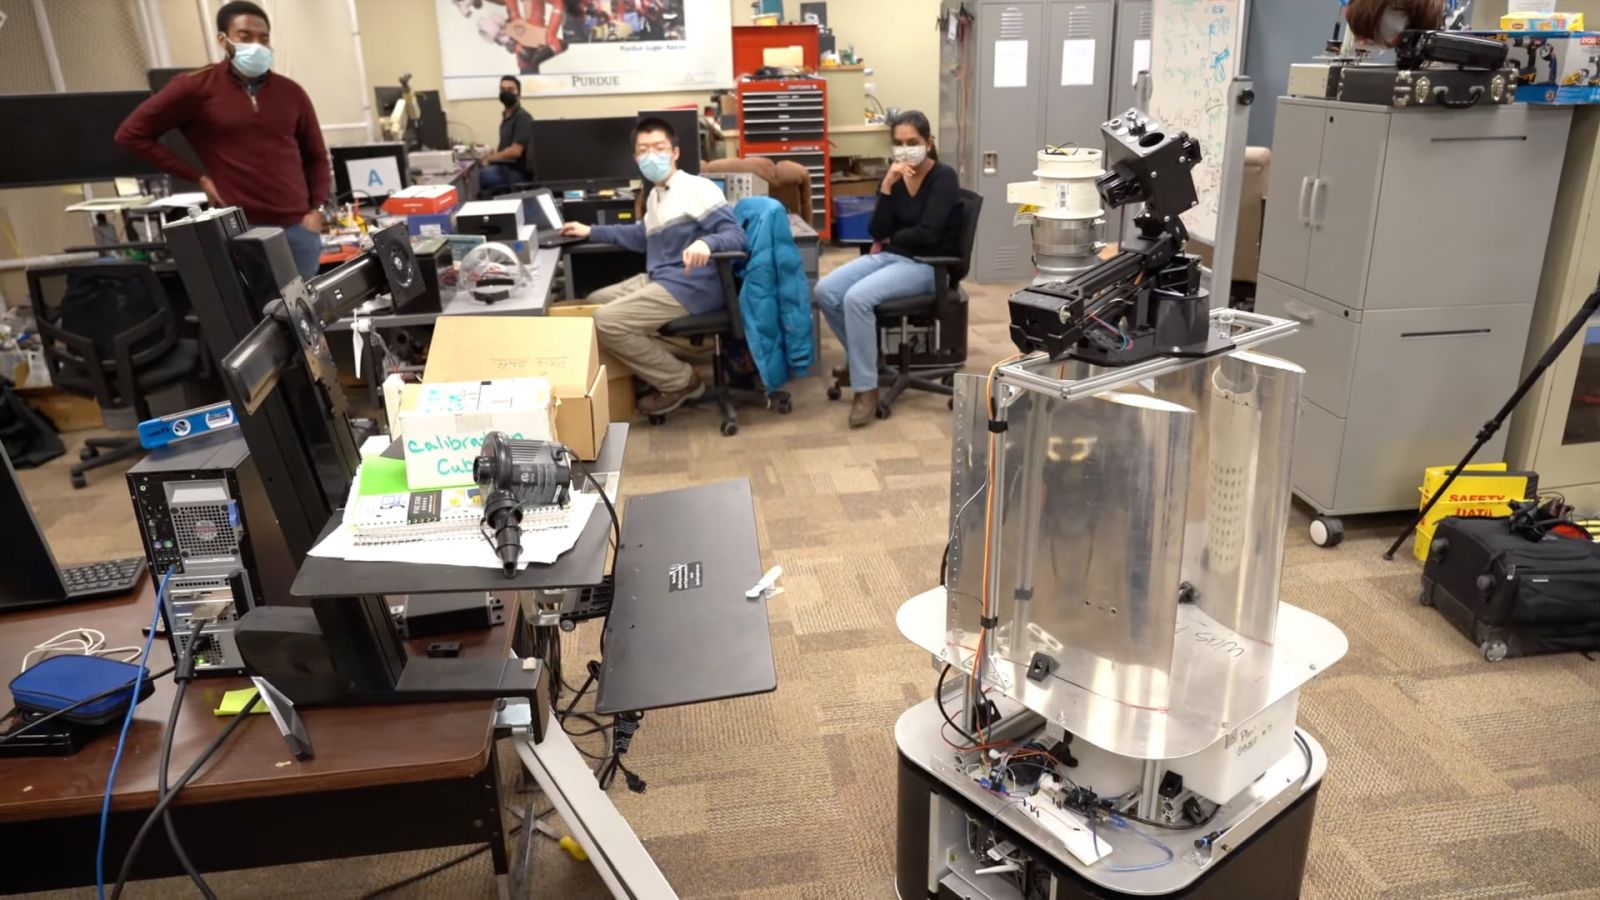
x: 627, y: 323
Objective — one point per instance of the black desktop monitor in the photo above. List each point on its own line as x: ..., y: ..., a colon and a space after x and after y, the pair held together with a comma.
x: 67, y: 138
x: 172, y: 140
x: 433, y: 132
x: 370, y: 170
x: 426, y: 128
x: 387, y: 96
x: 29, y: 576
x: 584, y: 153
x: 597, y: 153
x: 160, y: 78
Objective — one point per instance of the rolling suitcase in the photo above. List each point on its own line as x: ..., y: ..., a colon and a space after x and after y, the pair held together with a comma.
x: 1512, y: 596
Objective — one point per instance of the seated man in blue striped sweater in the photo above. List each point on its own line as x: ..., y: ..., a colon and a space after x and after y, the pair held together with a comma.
x: 686, y: 220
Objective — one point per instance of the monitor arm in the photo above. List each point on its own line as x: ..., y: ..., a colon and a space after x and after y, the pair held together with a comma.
x: 293, y: 326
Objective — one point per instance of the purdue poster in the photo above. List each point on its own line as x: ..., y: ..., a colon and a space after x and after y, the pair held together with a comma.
x: 574, y: 47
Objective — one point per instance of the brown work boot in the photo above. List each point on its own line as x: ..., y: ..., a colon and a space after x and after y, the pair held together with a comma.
x: 662, y: 402
x: 864, y: 409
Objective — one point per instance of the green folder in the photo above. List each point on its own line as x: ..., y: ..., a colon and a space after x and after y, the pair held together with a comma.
x: 381, y: 475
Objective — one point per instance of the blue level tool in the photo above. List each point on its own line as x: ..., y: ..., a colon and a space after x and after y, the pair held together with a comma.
x: 160, y: 432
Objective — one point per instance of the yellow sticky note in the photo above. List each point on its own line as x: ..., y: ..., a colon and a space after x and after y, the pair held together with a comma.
x: 233, y: 701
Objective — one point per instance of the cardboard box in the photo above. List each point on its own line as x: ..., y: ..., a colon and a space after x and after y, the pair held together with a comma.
x: 562, y: 349
x: 619, y: 378
x: 1529, y: 21
x: 442, y: 424
x: 1553, y: 67
x: 421, y: 199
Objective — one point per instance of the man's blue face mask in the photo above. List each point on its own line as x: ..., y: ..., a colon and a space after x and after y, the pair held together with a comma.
x: 251, y: 60
x: 655, y: 166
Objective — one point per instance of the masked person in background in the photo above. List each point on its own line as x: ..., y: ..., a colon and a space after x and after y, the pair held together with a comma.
x: 1381, y: 21
x: 686, y: 219
x: 918, y: 214
x: 254, y: 130
x: 513, y: 161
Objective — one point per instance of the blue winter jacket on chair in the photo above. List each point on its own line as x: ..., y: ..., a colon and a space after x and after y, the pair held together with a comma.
x: 775, y: 299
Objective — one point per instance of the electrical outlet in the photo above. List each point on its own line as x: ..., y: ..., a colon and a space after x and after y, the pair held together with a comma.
x: 872, y: 89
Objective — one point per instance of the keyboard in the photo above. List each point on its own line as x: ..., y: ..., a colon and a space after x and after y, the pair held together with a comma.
x: 110, y: 578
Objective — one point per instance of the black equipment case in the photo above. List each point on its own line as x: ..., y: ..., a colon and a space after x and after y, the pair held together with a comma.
x: 1449, y: 88
x: 1512, y: 596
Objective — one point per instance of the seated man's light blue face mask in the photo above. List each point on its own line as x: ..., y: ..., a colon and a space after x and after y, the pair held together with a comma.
x: 655, y: 166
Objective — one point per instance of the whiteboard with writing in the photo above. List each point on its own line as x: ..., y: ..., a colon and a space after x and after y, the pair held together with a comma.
x: 1197, y: 49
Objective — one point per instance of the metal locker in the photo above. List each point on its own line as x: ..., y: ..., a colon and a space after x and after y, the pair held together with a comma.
x: 1078, y: 30
x: 1010, y: 92
x: 1135, y: 23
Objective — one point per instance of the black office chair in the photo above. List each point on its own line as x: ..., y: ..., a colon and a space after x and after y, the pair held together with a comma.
x: 941, y: 317
x: 724, y: 326
x: 109, y: 332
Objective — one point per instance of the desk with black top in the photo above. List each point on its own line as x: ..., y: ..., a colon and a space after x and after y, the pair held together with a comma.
x: 384, y: 779
x: 581, y: 567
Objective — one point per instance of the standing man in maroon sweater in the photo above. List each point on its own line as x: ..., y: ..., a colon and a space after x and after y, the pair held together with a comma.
x: 253, y: 129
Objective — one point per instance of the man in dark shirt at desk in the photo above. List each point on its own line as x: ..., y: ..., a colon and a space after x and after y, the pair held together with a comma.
x: 253, y: 129
x: 513, y: 162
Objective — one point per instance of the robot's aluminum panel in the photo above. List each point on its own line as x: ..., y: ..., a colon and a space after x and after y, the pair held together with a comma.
x: 1110, y: 502
x: 1219, y: 678
x: 1091, y: 536
x: 1238, y: 511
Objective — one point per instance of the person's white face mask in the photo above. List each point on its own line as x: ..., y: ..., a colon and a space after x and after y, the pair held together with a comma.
x: 911, y: 156
x: 1393, y: 22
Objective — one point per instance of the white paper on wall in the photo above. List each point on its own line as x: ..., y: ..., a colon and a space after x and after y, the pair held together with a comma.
x: 1077, y: 62
x: 1010, y: 64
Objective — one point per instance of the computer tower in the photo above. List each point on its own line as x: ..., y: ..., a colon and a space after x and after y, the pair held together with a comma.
x: 204, y: 518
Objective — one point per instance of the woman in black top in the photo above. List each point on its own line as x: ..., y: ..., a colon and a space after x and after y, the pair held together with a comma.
x: 918, y: 214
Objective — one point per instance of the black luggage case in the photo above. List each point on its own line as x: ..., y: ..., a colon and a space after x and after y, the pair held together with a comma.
x: 1512, y: 596
x: 1449, y: 88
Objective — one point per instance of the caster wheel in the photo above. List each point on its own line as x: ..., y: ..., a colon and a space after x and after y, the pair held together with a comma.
x: 834, y: 392
x: 1426, y: 597
x: 884, y: 411
x: 1327, y: 531
x: 1494, y: 650
x: 88, y: 453
x: 657, y: 420
x: 78, y: 481
x: 948, y: 381
x: 729, y: 429
x: 784, y: 406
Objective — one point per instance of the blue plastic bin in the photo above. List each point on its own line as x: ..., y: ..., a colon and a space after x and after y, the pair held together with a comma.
x: 851, y: 216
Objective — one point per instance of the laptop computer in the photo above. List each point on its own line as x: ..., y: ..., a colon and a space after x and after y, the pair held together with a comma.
x: 548, y: 216
x: 29, y: 575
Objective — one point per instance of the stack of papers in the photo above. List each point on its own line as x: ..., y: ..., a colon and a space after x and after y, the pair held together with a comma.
x: 382, y: 476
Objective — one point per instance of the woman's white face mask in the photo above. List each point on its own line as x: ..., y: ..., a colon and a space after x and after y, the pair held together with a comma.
x: 1393, y: 22
x: 910, y: 155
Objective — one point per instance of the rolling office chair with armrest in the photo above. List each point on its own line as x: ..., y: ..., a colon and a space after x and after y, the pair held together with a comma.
x: 942, y: 316
x: 109, y: 332
x: 724, y: 326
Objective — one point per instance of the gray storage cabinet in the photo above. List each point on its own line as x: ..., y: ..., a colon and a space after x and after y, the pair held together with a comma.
x: 1408, y: 244
x: 993, y: 134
